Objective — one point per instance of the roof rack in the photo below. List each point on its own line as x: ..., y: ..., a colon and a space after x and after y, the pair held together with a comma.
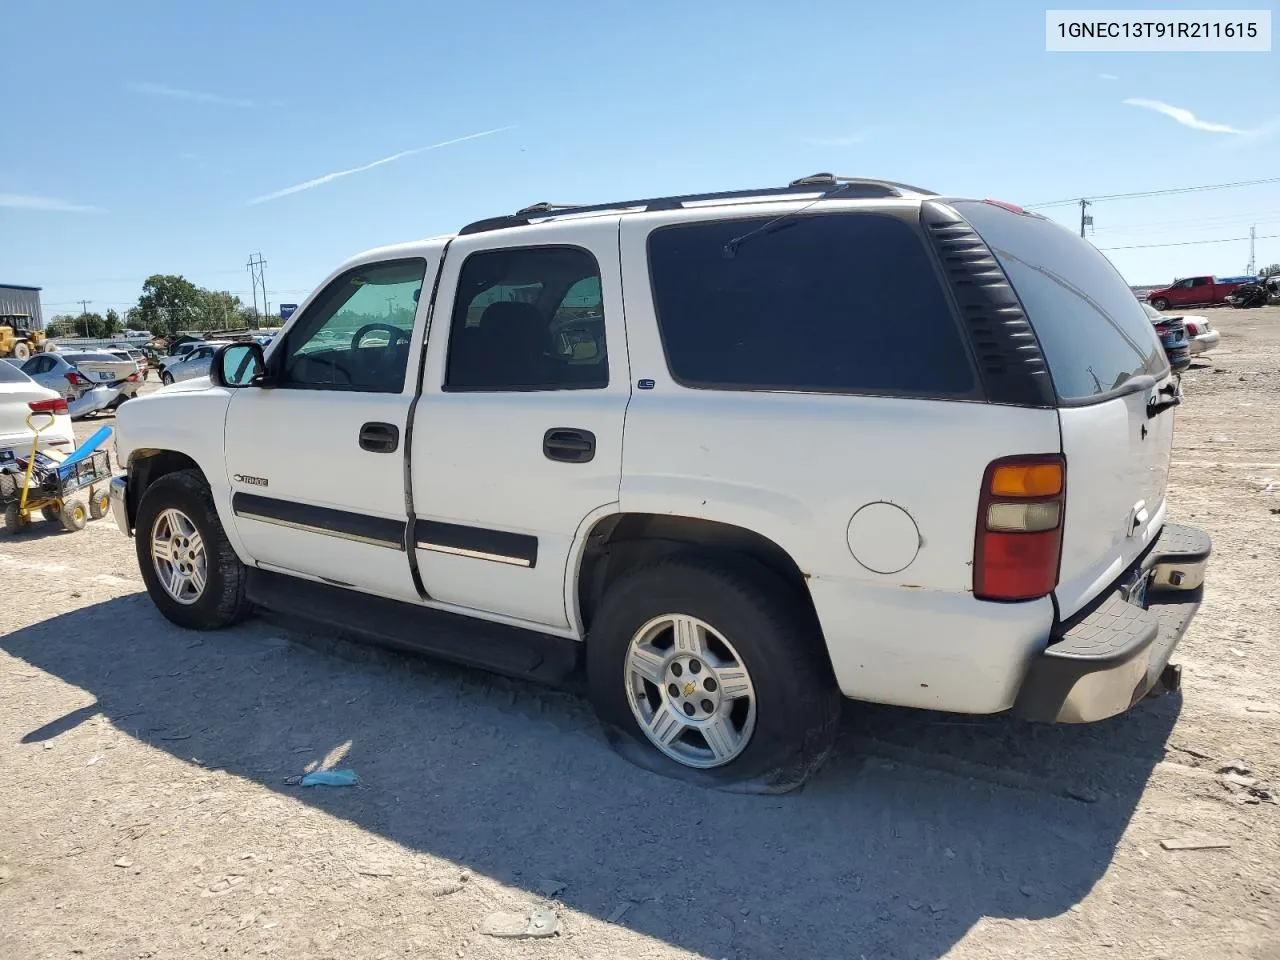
x: 852, y: 188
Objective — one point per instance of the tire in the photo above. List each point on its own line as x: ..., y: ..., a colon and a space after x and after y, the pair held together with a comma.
x: 75, y: 514
x: 1160, y: 304
x: 52, y: 514
x: 10, y: 486
x: 166, y: 378
x: 770, y: 632
x: 220, y: 601
x: 14, y: 521
x: 22, y: 351
x: 99, y: 506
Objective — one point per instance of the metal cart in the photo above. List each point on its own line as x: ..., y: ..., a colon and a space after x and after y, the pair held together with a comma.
x: 49, y: 485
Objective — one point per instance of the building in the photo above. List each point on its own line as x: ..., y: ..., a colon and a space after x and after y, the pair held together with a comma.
x: 18, y: 301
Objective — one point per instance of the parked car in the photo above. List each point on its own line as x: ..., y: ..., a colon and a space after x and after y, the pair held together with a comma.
x: 707, y: 494
x: 125, y: 352
x: 74, y: 374
x: 1193, y: 291
x: 1173, y: 337
x: 1202, y: 335
x: 178, y: 351
x: 195, y: 363
x: 21, y: 397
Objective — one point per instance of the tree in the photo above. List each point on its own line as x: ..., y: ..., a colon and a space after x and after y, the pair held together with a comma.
x: 1270, y: 271
x: 168, y: 303
x: 113, y: 324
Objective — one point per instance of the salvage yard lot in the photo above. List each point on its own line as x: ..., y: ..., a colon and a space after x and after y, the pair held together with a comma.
x: 146, y: 813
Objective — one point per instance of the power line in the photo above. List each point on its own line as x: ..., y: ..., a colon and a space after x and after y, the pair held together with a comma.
x: 1159, y: 193
x: 1189, y: 243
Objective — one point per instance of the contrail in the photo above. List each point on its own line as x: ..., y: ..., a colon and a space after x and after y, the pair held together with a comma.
x: 299, y: 187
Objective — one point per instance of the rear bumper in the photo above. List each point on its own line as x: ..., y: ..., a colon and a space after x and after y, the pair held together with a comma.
x: 1205, y: 341
x: 1108, y: 656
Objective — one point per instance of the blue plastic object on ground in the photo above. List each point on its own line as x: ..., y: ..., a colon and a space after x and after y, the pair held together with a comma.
x: 329, y: 778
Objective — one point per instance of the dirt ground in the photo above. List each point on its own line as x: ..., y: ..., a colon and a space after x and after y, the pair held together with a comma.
x: 144, y: 809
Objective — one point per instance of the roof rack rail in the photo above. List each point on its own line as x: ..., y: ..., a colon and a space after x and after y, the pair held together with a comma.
x: 853, y: 187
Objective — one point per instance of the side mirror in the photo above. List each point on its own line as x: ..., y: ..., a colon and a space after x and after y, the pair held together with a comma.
x: 238, y: 365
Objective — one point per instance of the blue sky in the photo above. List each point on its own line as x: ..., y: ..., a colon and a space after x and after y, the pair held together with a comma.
x: 137, y: 136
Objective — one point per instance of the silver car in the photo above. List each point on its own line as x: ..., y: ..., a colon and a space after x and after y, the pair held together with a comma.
x: 195, y: 364
x: 75, y: 374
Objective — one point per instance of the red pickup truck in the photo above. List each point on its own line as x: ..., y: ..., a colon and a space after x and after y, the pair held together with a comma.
x: 1193, y: 291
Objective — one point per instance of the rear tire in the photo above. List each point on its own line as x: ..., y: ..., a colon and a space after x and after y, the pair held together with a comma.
x: 52, y: 514
x: 206, y: 580
x: 99, y: 506
x: 75, y: 514
x: 22, y: 351
x: 751, y: 635
x: 10, y: 486
x: 166, y: 378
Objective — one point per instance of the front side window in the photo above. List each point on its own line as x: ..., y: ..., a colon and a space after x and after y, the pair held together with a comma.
x: 358, y: 332
x: 840, y: 303
x: 528, y: 319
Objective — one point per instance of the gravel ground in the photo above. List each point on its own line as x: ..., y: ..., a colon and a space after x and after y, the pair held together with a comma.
x: 146, y: 812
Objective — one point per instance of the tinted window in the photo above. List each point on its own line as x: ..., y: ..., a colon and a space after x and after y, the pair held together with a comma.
x: 38, y: 365
x: 357, y: 333
x: 528, y: 319
x: 92, y: 358
x: 1092, y: 330
x: 833, y: 302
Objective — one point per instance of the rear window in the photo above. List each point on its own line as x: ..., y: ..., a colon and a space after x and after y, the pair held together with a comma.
x: 91, y: 358
x: 11, y: 374
x: 1091, y: 327
x: 845, y: 303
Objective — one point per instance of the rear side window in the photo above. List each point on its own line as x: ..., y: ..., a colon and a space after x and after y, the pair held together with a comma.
x: 1091, y: 327
x: 844, y: 303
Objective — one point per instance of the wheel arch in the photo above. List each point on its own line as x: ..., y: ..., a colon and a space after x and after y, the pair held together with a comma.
x: 147, y: 465
x: 621, y: 541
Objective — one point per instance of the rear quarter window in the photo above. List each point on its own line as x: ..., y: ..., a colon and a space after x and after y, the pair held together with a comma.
x: 844, y: 303
x: 1092, y: 329
x: 11, y: 374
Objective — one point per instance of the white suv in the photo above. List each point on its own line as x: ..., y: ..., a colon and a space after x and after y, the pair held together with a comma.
x: 729, y: 456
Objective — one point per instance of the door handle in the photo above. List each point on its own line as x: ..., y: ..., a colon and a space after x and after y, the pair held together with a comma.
x: 569, y: 445
x: 379, y: 437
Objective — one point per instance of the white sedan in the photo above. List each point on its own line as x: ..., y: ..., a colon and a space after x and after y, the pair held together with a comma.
x: 20, y: 398
x: 1201, y: 334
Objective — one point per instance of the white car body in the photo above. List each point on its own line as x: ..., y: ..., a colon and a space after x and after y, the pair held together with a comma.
x: 1201, y: 335
x: 17, y: 393
x: 868, y: 497
x: 89, y: 381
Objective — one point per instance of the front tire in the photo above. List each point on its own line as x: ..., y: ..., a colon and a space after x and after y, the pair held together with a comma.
x: 717, y: 667
x: 22, y: 351
x: 166, y: 378
x: 74, y: 516
x: 191, y: 571
x: 1160, y: 304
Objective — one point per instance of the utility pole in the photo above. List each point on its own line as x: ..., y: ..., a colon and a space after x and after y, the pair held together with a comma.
x: 1253, y: 265
x: 1085, y: 219
x: 84, y: 309
x: 258, y: 275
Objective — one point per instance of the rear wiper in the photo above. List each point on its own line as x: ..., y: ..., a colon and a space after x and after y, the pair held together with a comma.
x: 731, y: 248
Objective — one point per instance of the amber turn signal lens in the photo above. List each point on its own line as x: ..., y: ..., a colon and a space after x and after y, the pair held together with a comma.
x: 1027, y: 480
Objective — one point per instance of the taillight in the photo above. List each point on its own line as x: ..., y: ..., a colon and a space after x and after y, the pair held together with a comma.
x: 1019, y: 536
x: 75, y: 378
x: 57, y: 406
x: 1011, y: 207
x: 132, y: 378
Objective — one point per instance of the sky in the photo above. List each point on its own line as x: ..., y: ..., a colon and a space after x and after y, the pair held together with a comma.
x: 153, y: 137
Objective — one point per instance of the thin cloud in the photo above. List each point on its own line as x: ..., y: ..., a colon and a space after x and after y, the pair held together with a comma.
x: 19, y: 201
x: 846, y: 141
x: 195, y: 96
x: 1107, y: 76
x: 1186, y: 117
x: 328, y: 177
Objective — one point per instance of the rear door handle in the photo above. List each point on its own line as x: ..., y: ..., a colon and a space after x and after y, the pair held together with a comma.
x: 569, y: 445
x: 379, y: 437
